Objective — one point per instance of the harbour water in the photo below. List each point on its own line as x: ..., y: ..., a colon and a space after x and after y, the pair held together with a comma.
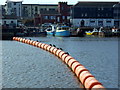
x: 25, y: 66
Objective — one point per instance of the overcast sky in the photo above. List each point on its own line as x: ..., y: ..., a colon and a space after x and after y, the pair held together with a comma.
x: 2, y: 2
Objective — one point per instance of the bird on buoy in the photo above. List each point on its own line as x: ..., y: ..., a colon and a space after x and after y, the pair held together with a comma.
x: 60, y: 48
x: 50, y: 44
x: 54, y: 45
x: 66, y: 53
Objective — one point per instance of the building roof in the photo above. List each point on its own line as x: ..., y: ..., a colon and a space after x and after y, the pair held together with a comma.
x: 43, y: 4
x: 49, y: 12
x: 94, y: 4
x: 14, y: 1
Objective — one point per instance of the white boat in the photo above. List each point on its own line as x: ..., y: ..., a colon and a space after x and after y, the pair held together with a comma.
x: 51, y: 30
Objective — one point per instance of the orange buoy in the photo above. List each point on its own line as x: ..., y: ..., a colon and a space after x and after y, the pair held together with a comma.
x: 28, y: 41
x: 23, y: 40
x: 75, y: 65
x: 84, y: 75
x: 61, y: 54
x: 64, y: 56
x: 48, y: 48
x: 42, y: 46
x: 20, y: 39
x: 13, y: 38
x: 36, y: 44
x: 57, y: 53
x: 54, y: 50
x: 16, y: 38
x: 68, y: 58
x: 33, y: 43
x: 98, y: 87
x: 80, y: 69
x: 39, y: 45
x: 51, y: 49
x: 90, y: 82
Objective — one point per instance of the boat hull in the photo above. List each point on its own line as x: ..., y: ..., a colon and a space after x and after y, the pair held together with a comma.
x: 89, y: 33
x: 50, y: 33
x: 62, y: 33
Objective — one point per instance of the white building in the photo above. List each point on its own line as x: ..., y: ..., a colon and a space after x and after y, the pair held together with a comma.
x: 14, y: 7
x: 9, y: 21
x: 93, y: 14
x: 93, y: 22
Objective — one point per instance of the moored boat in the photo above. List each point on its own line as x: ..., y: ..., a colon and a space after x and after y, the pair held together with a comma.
x: 94, y: 32
x: 51, y: 30
x: 62, y: 31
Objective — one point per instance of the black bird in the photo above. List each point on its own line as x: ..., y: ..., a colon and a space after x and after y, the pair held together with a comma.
x: 30, y: 39
x: 60, y: 48
x: 50, y: 44
x: 66, y: 53
x: 54, y: 45
x: 37, y: 41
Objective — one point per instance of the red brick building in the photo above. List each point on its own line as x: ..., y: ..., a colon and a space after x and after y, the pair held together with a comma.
x: 61, y: 15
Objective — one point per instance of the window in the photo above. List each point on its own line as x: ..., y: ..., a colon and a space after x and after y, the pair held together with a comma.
x: 100, y: 23
x: 68, y: 17
x: 108, y: 21
x: 62, y: 8
x: 92, y: 21
x: 85, y: 14
x: 4, y: 22
x: 11, y: 21
x: 43, y: 9
x: 98, y: 15
x: 52, y: 17
x: 63, y: 17
x: 45, y: 17
x: 36, y: 8
x: 9, y: 5
x: 14, y: 3
x: 99, y: 8
x: 51, y: 9
x: 82, y: 14
x: 102, y: 8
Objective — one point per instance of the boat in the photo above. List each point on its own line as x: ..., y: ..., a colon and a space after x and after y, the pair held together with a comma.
x: 62, y: 31
x: 94, y: 32
x: 51, y: 30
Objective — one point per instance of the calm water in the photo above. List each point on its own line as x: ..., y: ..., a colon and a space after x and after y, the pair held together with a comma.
x: 25, y: 66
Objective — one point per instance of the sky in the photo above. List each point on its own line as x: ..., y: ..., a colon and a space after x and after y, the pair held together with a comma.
x: 2, y: 2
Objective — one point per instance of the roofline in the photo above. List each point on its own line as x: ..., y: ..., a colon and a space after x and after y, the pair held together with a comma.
x: 45, y: 4
x: 115, y: 2
x: 42, y: 4
x: 100, y: 1
x: 13, y: 1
